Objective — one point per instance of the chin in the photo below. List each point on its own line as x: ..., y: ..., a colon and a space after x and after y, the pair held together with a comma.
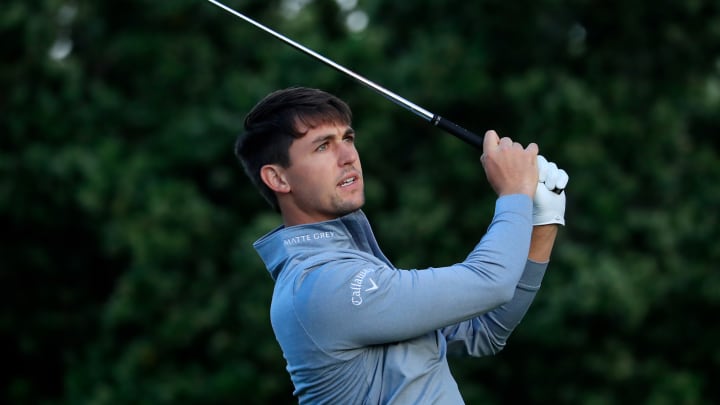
x: 349, y: 208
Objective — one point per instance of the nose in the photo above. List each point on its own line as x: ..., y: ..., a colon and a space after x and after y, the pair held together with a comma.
x: 348, y: 155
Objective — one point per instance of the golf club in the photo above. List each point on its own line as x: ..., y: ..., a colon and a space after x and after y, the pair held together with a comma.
x: 436, y: 120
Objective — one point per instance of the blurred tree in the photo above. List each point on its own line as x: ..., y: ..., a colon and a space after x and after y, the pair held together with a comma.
x: 128, y: 274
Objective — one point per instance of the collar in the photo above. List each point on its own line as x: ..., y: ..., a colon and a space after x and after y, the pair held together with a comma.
x: 351, y: 231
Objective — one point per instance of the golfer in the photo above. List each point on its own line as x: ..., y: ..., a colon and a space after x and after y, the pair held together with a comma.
x: 353, y: 328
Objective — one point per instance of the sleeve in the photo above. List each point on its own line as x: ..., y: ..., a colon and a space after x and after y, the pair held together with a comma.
x: 487, y: 334
x: 353, y: 302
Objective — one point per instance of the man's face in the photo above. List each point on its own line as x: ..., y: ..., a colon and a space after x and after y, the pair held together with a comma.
x: 324, y: 176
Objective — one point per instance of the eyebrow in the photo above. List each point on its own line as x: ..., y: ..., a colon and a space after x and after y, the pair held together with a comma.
x: 323, y: 138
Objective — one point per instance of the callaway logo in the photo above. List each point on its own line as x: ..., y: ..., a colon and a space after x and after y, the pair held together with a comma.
x: 358, y: 282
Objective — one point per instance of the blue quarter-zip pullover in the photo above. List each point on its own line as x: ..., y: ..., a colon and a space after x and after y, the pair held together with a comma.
x: 356, y: 330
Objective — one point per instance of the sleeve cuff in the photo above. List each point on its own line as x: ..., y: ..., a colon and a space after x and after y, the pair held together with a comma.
x: 519, y: 203
x: 532, y: 276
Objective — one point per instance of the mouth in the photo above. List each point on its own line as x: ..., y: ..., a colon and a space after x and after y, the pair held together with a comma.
x: 348, y: 181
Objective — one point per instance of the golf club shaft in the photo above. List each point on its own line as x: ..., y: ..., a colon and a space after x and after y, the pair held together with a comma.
x: 445, y: 124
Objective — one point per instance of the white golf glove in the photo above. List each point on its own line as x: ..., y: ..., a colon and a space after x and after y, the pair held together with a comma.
x: 548, y: 205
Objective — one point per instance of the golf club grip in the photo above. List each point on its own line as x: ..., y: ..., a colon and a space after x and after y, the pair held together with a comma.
x: 460, y: 132
x: 467, y: 136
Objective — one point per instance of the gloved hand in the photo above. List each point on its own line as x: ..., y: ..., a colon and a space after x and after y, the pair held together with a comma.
x: 548, y: 205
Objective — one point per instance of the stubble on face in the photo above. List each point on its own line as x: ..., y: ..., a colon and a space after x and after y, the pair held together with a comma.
x: 343, y: 206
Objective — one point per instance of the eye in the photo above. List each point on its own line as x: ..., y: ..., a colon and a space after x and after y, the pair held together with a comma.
x: 323, y: 146
x: 349, y: 138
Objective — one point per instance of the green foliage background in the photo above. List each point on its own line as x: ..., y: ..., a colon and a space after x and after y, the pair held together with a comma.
x: 127, y: 273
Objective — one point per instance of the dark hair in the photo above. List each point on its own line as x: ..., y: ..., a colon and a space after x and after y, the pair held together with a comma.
x: 272, y: 126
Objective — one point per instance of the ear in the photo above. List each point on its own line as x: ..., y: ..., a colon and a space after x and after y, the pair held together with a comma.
x: 274, y: 177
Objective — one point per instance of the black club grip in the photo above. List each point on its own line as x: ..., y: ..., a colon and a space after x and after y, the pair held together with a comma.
x: 467, y: 136
x: 458, y: 131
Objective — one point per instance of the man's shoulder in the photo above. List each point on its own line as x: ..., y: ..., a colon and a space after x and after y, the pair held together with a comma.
x: 340, y: 264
